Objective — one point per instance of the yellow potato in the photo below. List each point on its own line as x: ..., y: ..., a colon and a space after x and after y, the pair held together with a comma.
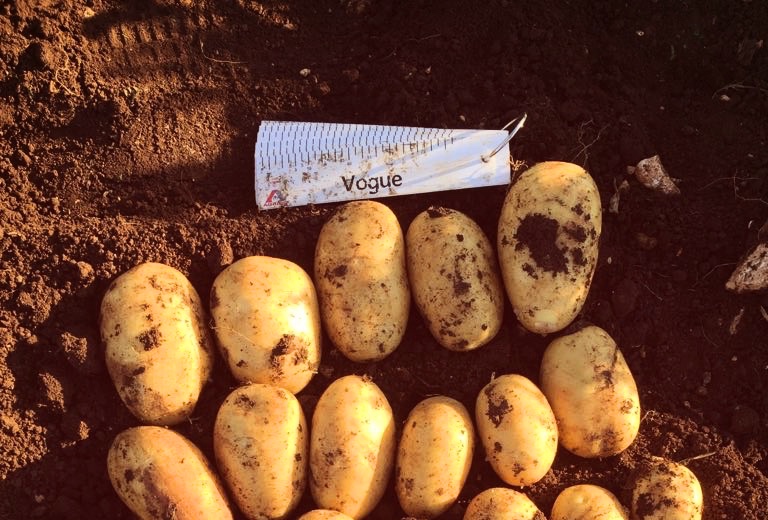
x: 361, y: 280
x: 352, y: 446
x: 157, y: 348
x: 260, y: 440
x: 517, y: 429
x: 502, y: 504
x: 666, y: 490
x: 587, y: 502
x: 434, y: 456
x: 160, y: 474
x: 454, y: 278
x: 592, y: 392
x: 266, y: 321
x: 548, y: 236
x: 324, y: 514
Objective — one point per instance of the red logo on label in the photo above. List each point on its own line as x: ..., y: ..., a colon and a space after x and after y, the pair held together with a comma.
x: 276, y: 198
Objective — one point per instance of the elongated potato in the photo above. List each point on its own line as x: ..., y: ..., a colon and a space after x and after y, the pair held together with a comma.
x: 361, y: 280
x: 158, y: 350
x: 548, y: 236
x: 666, y: 490
x: 261, y: 444
x: 267, y: 322
x: 434, y: 456
x: 517, y: 428
x: 592, y: 393
x: 502, y: 504
x: 587, y: 502
x: 158, y: 473
x: 352, y: 446
x: 454, y: 278
x: 324, y: 514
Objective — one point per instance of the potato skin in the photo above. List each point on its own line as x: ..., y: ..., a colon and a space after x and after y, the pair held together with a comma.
x: 434, y: 456
x: 587, y: 502
x: 158, y: 473
x: 454, y: 278
x: 261, y: 444
x: 267, y: 322
x: 502, y: 504
x: 362, y: 283
x: 548, y: 236
x: 666, y: 490
x: 352, y: 446
x: 158, y: 350
x: 324, y: 514
x: 517, y: 429
x: 592, y: 393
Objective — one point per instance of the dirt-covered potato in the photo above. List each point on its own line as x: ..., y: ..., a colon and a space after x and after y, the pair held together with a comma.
x: 260, y: 440
x: 592, y: 393
x: 352, y: 446
x: 454, y: 278
x: 324, y: 514
x: 158, y: 350
x: 517, y: 429
x: 267, y: 322
x: 158, y: 473
x: 434, y: 456
x: 361, y: 280
x: 587, y: 502
x: 502, y: 504
x: 548, y: 238
x: 665, y: 490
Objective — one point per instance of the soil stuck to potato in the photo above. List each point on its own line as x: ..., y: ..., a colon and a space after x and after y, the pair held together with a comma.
x: 127, y: 133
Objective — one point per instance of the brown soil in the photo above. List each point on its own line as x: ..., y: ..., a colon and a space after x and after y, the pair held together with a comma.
x: 127, y: 133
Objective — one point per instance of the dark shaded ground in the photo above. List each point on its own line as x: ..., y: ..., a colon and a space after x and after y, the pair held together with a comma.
x: 126, y: 135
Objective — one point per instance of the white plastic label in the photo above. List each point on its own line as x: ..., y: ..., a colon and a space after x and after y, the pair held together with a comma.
x: 310, y: 163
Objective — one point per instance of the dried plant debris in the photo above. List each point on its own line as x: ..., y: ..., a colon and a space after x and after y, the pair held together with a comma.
x: 651, y: 174
x: 751, y: 274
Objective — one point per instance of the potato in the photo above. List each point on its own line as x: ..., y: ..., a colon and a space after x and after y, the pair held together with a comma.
x: 548, y: 235
x: 260, y: 440
x: 352, y: 446
x: 267, y: 322
x: 361, y: 280
x: 160, y: 474
x: 502, y: 504
x: 517, y: 429
x: 324, y: 514
x: 158, y: 350
x: 587, y: 502
x: 592, y: 393
x: 454, y: 278
x: 666, y: 490
x: 434, y: 456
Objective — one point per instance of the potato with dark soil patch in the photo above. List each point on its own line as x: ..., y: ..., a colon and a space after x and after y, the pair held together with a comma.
x: 665, y: 490
x: 548, y: 237
x: 157, y: 347
x: 267, y: 322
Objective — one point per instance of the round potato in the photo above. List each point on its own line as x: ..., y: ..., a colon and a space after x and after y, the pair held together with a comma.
x: 434, y: 456
x: 260, y: 440
x: 352, y: 446
x: 454, y: 278
x: 517, y: 429
x: 592, y: 393
x: 158, y: 350
x: 666, y: 490
x: 587, y: 502
x: 548, y: 236
x: 361, y: 280
x: 324, y: 514
x: 267, y: 322
x: 502, y: 504
x: 160, y: 474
